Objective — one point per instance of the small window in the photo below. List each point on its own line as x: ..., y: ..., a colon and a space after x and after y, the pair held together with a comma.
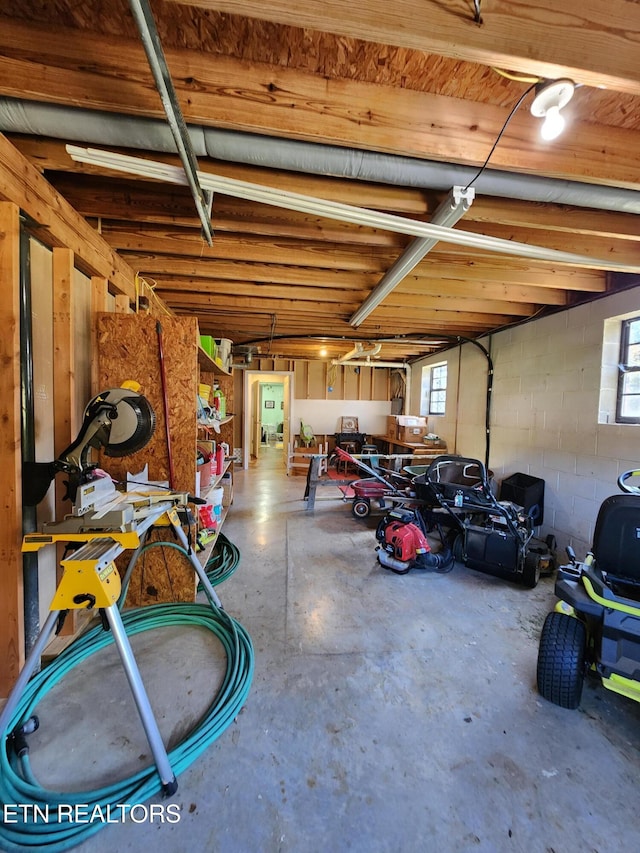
x: 434, y: 389
x: 628, y: 401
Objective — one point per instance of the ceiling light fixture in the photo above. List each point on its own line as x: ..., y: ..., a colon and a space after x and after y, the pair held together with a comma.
x: 338, y: 210
x: 550, y: 97
x: 450, y: 211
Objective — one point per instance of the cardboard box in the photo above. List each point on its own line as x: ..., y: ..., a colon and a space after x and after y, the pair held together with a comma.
x: 394, y: 422
x: 410, y: 428
x: 413, y: 434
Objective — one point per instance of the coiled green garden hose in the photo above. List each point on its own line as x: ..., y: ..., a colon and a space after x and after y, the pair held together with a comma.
x: 17, y: 783
x: 223, y: 561
x: 221, y: 564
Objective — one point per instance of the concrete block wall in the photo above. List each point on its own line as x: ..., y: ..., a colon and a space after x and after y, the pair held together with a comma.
x: 545, y: 413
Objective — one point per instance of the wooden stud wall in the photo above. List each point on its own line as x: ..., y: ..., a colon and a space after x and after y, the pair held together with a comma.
x: 11, y: 584
x: 313, y: 379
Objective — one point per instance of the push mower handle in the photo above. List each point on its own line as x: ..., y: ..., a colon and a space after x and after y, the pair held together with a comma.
x: 622, y: 484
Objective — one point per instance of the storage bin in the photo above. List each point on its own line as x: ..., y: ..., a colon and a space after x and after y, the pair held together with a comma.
x: 223, y: 355
x: 204, y: 392
x: 215, y: 496
x: 208, y: 345
x: 205, y: 474
x: 527, y: 492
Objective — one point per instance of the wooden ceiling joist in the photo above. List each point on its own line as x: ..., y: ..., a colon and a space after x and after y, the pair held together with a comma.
x: 527, y: 37
x: 414, y: 78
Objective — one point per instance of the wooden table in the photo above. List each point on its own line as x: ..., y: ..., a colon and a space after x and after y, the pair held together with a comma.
x: 419, y: 450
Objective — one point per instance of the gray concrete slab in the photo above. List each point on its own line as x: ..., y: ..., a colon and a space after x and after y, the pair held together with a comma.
x: 387, y: 713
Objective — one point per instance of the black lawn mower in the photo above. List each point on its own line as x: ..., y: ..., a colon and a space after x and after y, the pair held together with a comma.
x: 490, y: 536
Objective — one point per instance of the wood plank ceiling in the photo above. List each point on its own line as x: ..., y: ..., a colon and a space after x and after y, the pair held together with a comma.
x: 414, y: 78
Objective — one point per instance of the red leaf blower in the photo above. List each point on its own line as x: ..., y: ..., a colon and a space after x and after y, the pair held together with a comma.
x: 404, y: 546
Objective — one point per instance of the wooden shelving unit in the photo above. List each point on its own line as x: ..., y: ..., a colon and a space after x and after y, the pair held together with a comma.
x: 206, y: 363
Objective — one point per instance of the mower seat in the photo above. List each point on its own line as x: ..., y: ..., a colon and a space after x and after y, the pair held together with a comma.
x: 616, y: 544
x: 447, y: 475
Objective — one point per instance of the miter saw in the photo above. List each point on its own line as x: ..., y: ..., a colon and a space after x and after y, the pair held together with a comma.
x: 119, y: 421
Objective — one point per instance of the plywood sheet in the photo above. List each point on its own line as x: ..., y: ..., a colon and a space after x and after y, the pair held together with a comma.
x: 129, y: 349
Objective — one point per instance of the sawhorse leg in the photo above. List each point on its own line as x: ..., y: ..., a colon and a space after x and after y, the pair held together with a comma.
x: 313, y: 475
x: 195, y: 562
x: 32, y: 661
x: 160, y: 757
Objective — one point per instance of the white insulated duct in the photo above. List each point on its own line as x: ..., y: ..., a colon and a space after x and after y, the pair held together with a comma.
x: 358, y: 351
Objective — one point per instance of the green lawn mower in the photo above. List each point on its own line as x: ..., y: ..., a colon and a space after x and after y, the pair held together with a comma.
x: 596, y: 624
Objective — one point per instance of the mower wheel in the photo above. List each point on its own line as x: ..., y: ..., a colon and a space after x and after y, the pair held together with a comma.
x: 361, y: 508
x: 457, y: 548
x: 530, y: 571
x: 561, y: 660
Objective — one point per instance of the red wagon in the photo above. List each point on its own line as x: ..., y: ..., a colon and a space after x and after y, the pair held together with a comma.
x: 381, y: 490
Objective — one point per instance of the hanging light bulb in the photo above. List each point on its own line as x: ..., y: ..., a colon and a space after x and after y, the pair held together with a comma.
x: 553, y: 124
x: 551, y: 96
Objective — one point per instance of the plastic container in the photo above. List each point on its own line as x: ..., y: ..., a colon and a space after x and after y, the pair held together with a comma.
x: 208, y: 345
x: 527, y: 492
x: 215, y: 497
x: 220, y: 403
x: 223, y: 356
x: 219, y: 459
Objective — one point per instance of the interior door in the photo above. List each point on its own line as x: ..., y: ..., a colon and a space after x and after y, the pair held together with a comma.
x: 286, y: 420
x: 256, y: 426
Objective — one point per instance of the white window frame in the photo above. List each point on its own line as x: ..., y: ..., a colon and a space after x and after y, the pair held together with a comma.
x: 431, y: 386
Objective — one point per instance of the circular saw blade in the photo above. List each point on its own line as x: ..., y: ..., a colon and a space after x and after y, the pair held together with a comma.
x: 133, y: 426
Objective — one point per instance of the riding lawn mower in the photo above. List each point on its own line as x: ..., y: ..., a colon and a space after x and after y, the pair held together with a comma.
x: 595, y: 626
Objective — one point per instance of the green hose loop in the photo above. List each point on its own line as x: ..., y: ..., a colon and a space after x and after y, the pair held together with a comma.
x: 223, y: 561
x: 17, y: 783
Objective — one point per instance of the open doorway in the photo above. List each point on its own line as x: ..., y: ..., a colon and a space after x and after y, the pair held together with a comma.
x: 268, y: 402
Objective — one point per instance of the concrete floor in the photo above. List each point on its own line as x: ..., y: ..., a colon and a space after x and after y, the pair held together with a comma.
x: 388, y: 714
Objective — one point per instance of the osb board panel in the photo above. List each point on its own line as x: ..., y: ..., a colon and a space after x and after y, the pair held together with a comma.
x: 128, y: 348
x: 330, y: 56
x: 161, y: 574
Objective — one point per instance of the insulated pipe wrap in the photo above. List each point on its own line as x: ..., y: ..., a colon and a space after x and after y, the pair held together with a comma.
x: 116, y: 130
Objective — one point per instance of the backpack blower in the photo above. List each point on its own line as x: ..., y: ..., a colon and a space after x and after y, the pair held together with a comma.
x: 404, y: 546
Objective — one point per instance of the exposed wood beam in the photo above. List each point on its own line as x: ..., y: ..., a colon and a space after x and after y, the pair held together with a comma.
x: 624, y: 251
x: 500, y: 290
x: 115, y: 198
x: 594, y: 43
x: 229, y: 93
x: 297, y: 306
x: 51, y: 155
x: 327, y: 253
x: 511, y: 270
x: 326, y: 299
x: 58, y: 224
x: 555, y: 217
